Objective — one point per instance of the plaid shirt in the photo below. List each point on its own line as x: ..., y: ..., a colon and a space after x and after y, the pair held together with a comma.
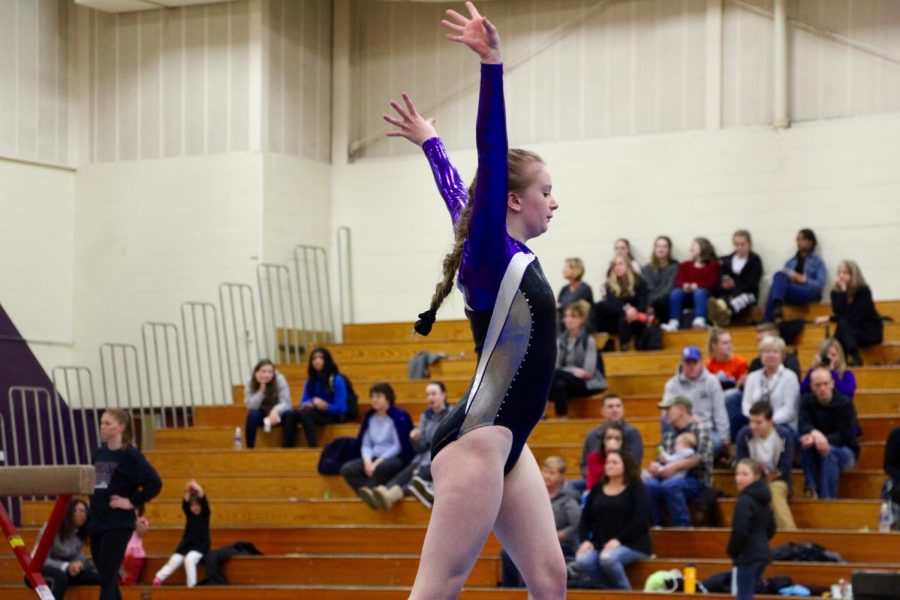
x: 703, y: 471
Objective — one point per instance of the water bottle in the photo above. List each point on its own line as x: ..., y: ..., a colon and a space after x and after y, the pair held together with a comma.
x: 885, y: 517
x: 238, y: 442
x: 690, y: 579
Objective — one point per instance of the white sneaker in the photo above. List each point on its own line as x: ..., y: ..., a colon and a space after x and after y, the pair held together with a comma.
x: 699, y: 323
x: 671, y: 326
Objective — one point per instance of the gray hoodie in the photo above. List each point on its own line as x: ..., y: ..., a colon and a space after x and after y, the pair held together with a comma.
x: 428, y: 424
x: 254, y: 400
x: 706, y: 394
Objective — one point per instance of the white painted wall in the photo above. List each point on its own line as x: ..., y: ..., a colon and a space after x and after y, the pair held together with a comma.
x: 37, y: 215
x: 839, y: 177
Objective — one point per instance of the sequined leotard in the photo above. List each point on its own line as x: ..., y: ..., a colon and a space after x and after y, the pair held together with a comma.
x: 509, y: 303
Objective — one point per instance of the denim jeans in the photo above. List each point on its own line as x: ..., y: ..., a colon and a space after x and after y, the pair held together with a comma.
x: 610, y: 571
x: 676, y: 493
x: 744, y: 579
x: 821, y: 473
x: 677, y: 300
x: 783, y: 290
x: 254, y: 421
x: 736, y: 418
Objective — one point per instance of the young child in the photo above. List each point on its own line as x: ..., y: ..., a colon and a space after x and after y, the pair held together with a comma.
x: 130, y: 572
x: 195, y: 541
x: 685, y: 447
x: 752, y: 526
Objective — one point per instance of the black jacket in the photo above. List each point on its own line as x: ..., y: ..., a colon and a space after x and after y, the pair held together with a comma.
x: 745, y: 282
x: 124, y: 472
x: 638, y: 299
x: 752, y: 526
x: 861, y: 314
x: 835, y: 420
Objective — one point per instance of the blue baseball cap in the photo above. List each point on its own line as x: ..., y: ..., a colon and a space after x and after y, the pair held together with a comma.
x: 691, y: 353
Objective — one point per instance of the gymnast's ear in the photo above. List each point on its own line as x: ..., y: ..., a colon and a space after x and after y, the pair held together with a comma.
x: 513, y: 203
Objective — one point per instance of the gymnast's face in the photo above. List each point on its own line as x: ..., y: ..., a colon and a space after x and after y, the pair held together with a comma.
x: 535, y: 204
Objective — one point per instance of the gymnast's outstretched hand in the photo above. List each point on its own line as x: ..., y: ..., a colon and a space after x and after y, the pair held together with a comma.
x: 476, y: 32
x: 411, y: 124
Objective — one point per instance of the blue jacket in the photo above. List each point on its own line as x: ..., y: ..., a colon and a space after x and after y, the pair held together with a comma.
x: 403, y: 423
x: 814, y: 269
x: 785, y: 461
x: 336, y: 397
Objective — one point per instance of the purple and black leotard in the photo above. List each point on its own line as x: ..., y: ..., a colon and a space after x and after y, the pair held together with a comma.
x: 509, y: 303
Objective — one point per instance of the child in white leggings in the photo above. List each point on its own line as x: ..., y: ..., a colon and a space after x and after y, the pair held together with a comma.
x: 195, y: 541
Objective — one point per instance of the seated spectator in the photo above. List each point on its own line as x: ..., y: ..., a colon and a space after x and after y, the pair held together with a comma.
x: 576, y: 289
x: 774, y: 385
x: 831, y: 356
x: 891, y: 489
x: 858, y: 323
x: 739, y: 275
x: 66, y: 564
x: 267, y: 398
x: 576, y: 360
x: 566, y: 514
x: 771, y: 445
x: 801, y: 281
x: 415, y: 478
x: 615, y: 523
x: 685, y: 447
x: 623, y: 310
x: 324, y: 399
x: 674, y: 491
x: 133, y: 564
x: 790, y: 361
x: 704, y: 391
x: 659, y: 274
x: 384, y: 445
x: 595, y: 463
x: 752, y: 526
x: 731, y: 369
x: 622, y: 247
x: 827, y: 442
x: 195, y: 541
x: 613, y: 412
x: 694, y: 283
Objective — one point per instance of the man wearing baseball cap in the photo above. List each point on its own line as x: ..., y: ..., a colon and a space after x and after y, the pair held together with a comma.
x: 678, y: 491
x: 704, y: 391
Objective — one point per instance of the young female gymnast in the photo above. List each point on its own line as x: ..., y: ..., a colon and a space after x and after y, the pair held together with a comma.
x: 485, y: 476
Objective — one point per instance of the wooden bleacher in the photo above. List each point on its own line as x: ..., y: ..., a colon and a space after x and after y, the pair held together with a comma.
x: 322, y: 543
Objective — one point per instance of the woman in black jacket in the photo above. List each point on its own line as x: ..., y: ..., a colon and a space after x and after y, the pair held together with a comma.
x: 615, y: 523
x: 858, y: 322
x: 739, y: 276
x: 623, y: 310
x: 752, y: 526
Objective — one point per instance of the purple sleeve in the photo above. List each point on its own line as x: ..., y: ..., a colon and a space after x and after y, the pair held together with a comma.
x: 846, y: 383
x: 449, y: 183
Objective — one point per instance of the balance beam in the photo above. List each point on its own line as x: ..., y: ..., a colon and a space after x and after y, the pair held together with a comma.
x: 62, y: 482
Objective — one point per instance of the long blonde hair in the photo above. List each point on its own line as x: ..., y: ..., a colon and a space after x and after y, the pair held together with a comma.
x: 826, y: 345
x: 620, y: 288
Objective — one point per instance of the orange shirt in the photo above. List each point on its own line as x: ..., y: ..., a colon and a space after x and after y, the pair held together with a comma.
x: 734, y: 369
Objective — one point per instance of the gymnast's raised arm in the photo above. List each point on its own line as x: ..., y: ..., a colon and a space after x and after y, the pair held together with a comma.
x: 420, y: 131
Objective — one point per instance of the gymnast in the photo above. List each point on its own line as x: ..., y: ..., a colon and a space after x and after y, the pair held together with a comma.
x: 485, y: 476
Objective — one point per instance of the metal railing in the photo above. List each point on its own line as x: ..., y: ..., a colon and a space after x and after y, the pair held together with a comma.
x: 165, y: 373
x: 345, y: 275
x: 281, y: 338
x: 76, y: 385
x: 4, y: 461
x: 313, y: 294
x: 205, y: 372
x: 36, y: 405
x: 239, y: 329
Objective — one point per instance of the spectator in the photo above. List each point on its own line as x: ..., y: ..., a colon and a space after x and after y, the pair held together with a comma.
x: 566, y: 513
x: 858, y: 322
x: 613, y: 411
x: 739, y: 275
x: 789, y: 361
x: 66, y: 564
x: 576, y: 360
x: 415, y: 478
x: 659, y: 274
x: 752, y: 526
x: 731, y: 369
x: 195, y: 539
x: 268, y: 399
x: 615, y: 523
x: 384, y: 444
x: 576, y: 289
x: 802, y: 279
x: 596, y: 461
x: 623, y: 310
x: 831, y: 356
x: 773, y: 385
x: 130, y: 572
x: 124, y: 481
x: 771, y: 445
x: 677, y: 492
x: 685, y: 447
x: 622, y: 247
x: 695, y: 281
x: 702, y: 388
x: 827, y: 442
x: 891, y: 489
x: 324, y: 399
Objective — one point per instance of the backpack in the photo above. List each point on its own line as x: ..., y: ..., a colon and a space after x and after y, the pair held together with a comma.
x: 650, y: 338
x: 352, y: 413
x: 337, y: 452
